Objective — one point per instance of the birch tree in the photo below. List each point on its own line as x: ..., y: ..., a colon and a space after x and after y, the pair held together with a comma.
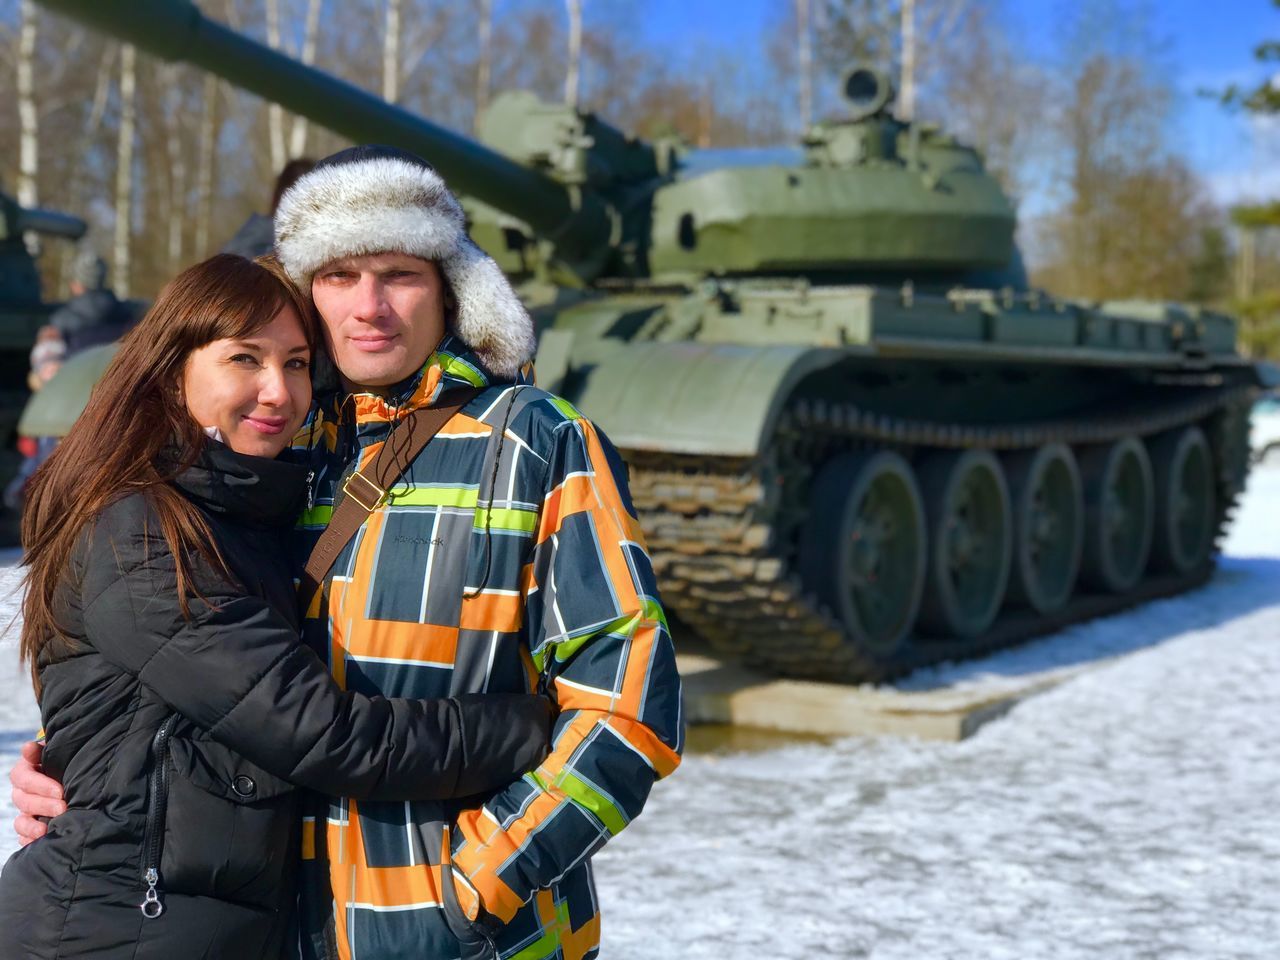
x: 176, y: 164
x: 391, y: 53
x: 804, y: 62
x: 275, y: 112
x: 907, y: 76
x: 124, y: 169
x: 298, y: 135
x: 484, y: 59
x: 28, y: 118
x: 204, y: 162
x: 574, y: 67
x: 79, y: 181
x: 908, y: 39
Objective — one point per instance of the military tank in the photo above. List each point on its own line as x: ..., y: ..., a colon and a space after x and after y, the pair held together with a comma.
x: 23, y: 311
x: 858, y: 441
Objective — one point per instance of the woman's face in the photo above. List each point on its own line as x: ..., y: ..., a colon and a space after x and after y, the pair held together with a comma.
x: 255, y: 390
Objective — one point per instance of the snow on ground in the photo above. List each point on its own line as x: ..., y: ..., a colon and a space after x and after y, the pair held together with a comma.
x: 1128, y: 813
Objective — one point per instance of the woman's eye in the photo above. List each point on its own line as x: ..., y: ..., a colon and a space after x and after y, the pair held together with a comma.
x: 244, y: 358
x: 298, y: 363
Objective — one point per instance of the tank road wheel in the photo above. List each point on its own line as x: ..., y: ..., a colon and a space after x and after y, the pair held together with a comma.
x: 1119, y: 503
x: 1048, y: 526
x: 863, y: 546
x: 1185, y: 507
x: 970, y: 536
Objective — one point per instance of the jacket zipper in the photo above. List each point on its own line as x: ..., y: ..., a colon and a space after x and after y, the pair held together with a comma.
x: 153, y: 835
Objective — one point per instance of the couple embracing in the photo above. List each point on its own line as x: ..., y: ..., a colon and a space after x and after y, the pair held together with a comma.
x: 484, y: 690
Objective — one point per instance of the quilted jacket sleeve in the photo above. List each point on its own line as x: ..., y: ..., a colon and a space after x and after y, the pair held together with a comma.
x: 236, y: 668
x: 597, y: 634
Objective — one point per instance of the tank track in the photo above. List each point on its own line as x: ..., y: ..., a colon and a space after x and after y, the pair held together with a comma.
x: 722, y: 531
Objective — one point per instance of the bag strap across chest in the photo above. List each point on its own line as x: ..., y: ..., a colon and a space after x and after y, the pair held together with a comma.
x: 366, y: 488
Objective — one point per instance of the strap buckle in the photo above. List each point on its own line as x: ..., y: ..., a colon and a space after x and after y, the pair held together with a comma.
x: 369, y: 491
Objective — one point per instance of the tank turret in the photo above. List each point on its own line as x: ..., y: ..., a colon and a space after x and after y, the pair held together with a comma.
x: 858, y: 442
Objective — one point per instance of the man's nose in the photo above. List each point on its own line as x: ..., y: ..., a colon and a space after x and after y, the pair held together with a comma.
x: 370, y: 302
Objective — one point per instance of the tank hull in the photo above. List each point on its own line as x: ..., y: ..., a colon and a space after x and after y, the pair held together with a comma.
x: 855, y: 509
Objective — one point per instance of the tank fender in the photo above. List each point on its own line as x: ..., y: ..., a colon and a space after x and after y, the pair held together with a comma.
x: 716, y: 399
x: 52, y: 411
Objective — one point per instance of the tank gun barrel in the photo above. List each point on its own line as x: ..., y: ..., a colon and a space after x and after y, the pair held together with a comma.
x: 578, y: 224
x: 50, y: 222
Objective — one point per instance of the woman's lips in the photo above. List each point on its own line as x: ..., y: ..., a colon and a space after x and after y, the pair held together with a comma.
x: 268, y: 425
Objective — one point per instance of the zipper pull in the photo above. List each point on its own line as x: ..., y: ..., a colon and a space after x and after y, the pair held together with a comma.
x: 151, y: 906
x: 311, y: 490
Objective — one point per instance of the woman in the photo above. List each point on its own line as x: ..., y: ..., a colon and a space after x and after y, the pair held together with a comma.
x: 160, y: 625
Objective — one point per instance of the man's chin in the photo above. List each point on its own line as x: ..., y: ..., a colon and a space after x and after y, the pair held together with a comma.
x: 374, y: 377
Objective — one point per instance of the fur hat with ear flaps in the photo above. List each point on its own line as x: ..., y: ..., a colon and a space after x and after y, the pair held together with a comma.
x: 374, y: 199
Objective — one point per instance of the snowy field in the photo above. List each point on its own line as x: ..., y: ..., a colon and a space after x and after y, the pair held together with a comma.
x: 1128, y: 813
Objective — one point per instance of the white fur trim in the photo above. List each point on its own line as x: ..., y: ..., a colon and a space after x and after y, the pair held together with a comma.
x: 386, y: 204
x: 491, y: 319
x: 368, y: 206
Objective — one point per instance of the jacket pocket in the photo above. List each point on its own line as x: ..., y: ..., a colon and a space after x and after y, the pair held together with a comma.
x: 475, y: 942
x: 230, y: 828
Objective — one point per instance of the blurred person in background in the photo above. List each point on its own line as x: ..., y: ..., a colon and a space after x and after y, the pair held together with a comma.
x: 93, y: 315
x: 255, y: 237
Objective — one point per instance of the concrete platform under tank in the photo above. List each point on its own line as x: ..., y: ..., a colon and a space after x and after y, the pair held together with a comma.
x: 720, y: 692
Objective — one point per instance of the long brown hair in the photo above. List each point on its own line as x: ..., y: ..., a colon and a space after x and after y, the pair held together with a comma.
x: 123, y: 443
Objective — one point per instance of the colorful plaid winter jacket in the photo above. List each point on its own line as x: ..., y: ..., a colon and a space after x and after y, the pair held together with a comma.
x: 506, y: 558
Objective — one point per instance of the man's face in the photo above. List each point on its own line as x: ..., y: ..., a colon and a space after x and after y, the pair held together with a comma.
x: 383, y: 314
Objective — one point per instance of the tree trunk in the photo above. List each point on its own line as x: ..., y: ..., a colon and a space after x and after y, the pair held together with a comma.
x: 298, y: 137
x: 391, y: 53
x: 176, y: 198
x: 574, y: 67
x: 804, y: 62
x: 484, y: 63
x: 1246, y: 266
x: 79, y: 191
x: 907, y: 95
x: 204, y: 164
x: 275, y: 112
x: 124, y: 169
x: 29, y: 137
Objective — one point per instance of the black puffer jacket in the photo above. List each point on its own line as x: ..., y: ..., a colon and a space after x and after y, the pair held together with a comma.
x: 178, y: 741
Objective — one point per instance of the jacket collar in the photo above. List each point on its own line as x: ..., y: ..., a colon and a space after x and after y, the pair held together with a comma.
x: 452, y: 366
x: 253, y: 490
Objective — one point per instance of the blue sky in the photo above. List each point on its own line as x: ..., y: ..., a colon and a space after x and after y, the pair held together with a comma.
x: 1210, y: 44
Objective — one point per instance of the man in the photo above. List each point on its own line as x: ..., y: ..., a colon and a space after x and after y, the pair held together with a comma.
x: 506, y: 557
x: 93, y: 315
